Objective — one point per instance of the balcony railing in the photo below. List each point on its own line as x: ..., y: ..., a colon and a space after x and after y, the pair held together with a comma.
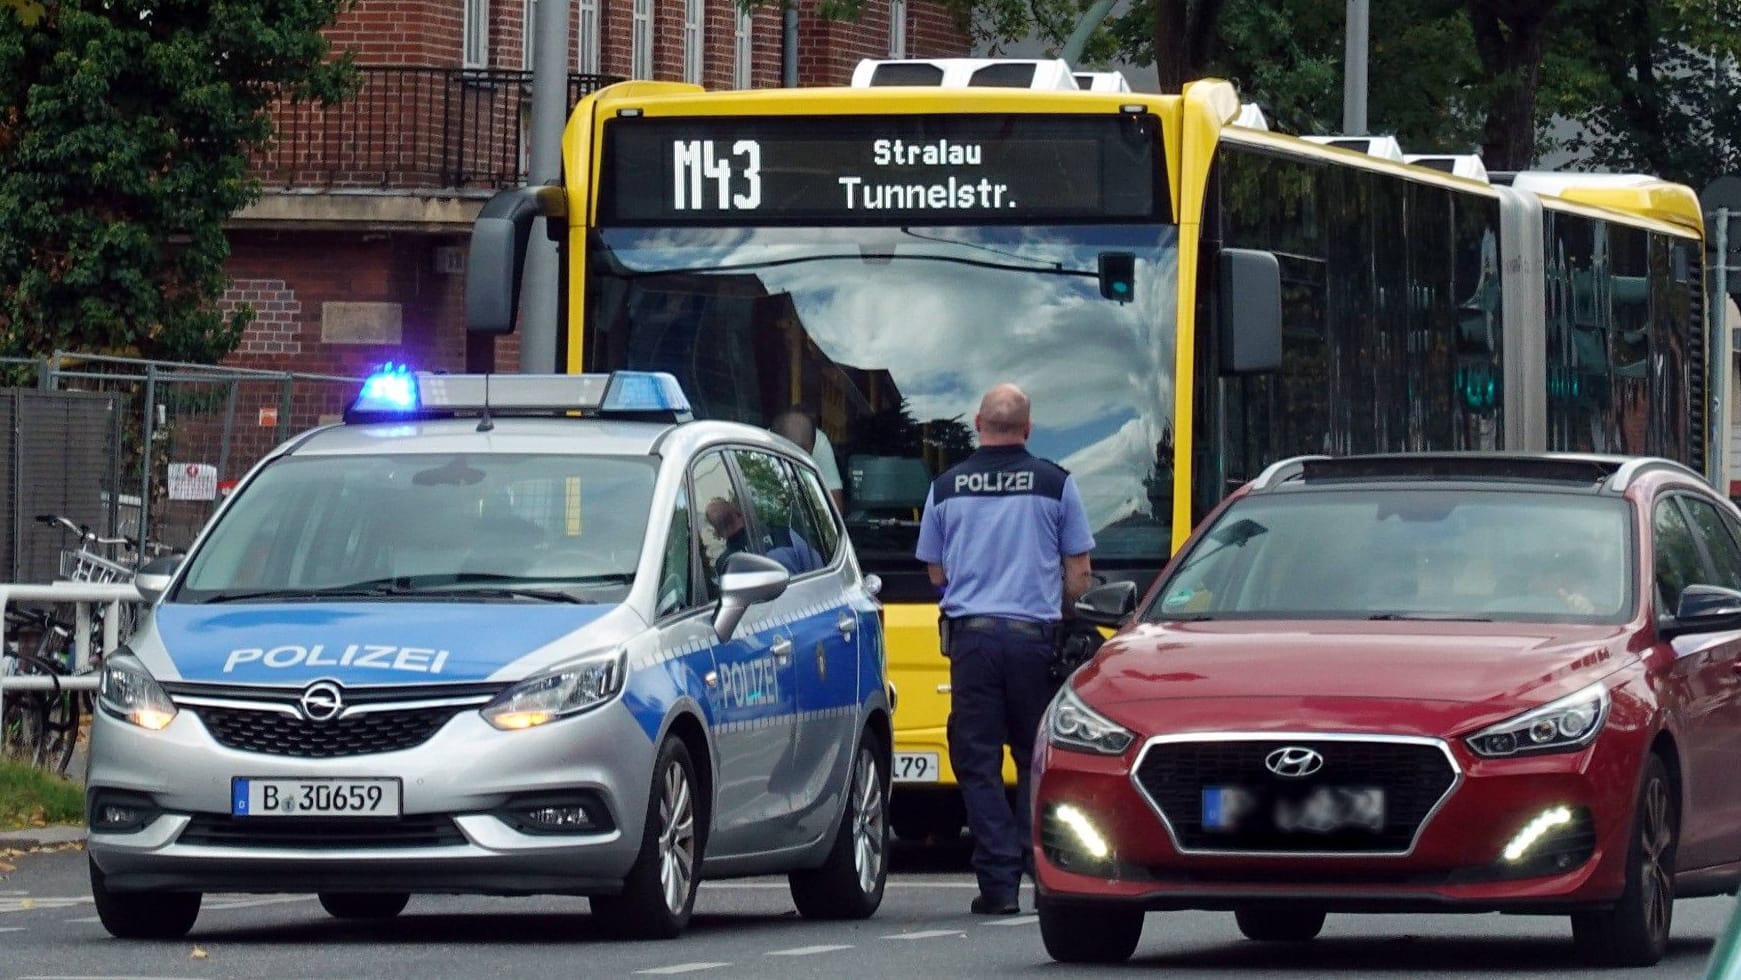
x: 411, y: 128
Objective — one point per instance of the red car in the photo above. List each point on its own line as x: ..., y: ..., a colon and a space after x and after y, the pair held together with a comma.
x: 1413, y: 683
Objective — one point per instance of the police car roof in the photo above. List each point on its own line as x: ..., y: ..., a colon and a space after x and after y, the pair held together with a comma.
x: 518, y: 434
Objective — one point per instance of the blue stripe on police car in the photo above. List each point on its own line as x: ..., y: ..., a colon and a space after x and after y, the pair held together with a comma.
x: 359, y: 642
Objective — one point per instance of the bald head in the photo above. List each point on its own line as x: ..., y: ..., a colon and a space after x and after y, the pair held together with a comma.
x: 796, y: 426
x: 1003, y: 418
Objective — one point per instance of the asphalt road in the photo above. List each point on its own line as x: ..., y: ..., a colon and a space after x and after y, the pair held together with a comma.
x: 747, y: 928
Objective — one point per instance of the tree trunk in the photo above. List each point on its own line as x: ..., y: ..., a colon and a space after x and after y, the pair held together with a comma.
x: 1185, y: 37
x: 1509, y: 36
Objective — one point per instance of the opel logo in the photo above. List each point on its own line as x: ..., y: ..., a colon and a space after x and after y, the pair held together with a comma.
x: 322, y: 701
x: 1293, y: 762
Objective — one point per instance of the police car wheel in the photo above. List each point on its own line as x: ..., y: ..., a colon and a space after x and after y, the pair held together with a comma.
x: 659, y: 890
x: 143, y: 915
x: 370, y: 905
x: 1088, y: 933
x: 849, y: 884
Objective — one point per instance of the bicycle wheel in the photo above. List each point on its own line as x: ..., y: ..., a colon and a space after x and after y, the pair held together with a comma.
x: 24, y: 724
x: 61, y: 707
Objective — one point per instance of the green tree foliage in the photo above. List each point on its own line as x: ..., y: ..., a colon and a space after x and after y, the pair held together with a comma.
x: 1651, y: 83
x: 125, y: 132
x: 1655, y: 85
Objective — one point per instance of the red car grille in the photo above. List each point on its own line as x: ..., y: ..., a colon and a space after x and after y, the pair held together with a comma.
x: 1194, y: 782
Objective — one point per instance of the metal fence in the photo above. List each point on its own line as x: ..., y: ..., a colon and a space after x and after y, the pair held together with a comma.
x: 60, y: 450
x: 412, y: 127
x: 205, y: 426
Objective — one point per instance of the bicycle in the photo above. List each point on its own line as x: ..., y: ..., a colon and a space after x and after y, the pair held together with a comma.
x: 34, y: 725
x: 57, y: 712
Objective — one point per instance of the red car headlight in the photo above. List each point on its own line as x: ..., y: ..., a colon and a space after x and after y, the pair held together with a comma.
x: 1565, y: 725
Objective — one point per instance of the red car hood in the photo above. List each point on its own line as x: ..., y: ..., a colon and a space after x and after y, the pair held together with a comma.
x: 1320, y: 667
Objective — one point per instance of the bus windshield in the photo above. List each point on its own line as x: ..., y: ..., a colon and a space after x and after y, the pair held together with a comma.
x: 888, y: 336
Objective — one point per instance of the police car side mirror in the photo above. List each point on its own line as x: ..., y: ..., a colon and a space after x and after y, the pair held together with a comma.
x: 153, y: 580
x: 1107, y: 605
x: 746, y: 580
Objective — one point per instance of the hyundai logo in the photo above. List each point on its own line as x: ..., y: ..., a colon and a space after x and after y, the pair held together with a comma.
x: 1293, y: 762
x: 322, y: 701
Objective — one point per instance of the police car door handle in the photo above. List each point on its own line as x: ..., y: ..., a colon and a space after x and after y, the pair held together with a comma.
x: 845, y: 624
x: 782, y: 648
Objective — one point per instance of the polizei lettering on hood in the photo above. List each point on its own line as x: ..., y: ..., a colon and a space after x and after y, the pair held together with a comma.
x: 418, y: 660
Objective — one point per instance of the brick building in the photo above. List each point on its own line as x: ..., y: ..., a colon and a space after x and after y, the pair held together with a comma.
x: 355, y: 254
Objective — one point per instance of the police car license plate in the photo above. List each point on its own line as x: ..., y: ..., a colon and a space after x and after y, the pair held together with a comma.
x: 314, y: 797
x: 917, y: 767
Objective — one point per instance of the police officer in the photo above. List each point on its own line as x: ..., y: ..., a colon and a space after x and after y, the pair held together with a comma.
x: 1006, y: 537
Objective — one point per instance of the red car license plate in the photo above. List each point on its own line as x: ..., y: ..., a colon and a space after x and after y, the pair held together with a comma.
x: 1322, y: 810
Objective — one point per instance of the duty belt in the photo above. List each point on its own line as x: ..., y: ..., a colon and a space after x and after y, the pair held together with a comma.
x: 998, y: 624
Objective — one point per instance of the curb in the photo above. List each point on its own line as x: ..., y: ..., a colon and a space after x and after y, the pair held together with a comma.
x: 31, y: 838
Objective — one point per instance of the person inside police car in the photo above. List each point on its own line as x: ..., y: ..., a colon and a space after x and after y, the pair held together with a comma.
x: 727, y: 522
x: 1005, y: 535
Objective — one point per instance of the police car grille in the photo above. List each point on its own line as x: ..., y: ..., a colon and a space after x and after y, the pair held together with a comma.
x: 1414, y: 778
x: 419, y: 830
x: 276, y: 733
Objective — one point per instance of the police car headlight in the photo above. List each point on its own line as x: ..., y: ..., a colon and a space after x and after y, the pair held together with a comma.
x: 1070, y: 724
x: 129, y: 692
x: 568, y: 690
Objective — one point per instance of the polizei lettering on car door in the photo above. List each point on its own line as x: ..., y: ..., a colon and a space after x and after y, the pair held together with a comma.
x: 1017, y: 481
x: 419, y: 660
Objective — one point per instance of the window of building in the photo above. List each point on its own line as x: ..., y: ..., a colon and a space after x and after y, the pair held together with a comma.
x: 587, y: 56
x: 694, y: 18
x: 641, y: 40
x: 528, y: 27
x: 477, y: 33
x: 897, y: 28
x: 742, y: 49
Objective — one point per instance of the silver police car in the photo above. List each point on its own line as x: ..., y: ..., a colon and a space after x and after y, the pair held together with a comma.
x: 515, y: 635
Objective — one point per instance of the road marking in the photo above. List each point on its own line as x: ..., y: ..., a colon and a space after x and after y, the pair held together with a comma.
x: 222, y: 905
x: 684, y: 968
x: 926, y: 934
x: 12, y: 929
x: 33, y: 904
x: 1017, y: 920
x: 807, y: 950
x: 782, y: 886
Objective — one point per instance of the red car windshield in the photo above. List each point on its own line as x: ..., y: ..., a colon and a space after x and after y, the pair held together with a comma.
x: 1366, y: 553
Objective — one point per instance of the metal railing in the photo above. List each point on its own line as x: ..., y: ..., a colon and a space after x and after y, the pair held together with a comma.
x: 412, y: 128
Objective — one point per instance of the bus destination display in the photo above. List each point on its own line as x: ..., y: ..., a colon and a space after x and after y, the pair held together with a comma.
x: 880, y: 169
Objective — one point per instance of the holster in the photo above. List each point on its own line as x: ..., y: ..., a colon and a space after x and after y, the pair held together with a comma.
x: 945, y: 629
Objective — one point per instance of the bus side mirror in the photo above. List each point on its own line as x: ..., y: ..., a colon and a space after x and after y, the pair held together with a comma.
x: 498, y: 254
x: 1251, y: 312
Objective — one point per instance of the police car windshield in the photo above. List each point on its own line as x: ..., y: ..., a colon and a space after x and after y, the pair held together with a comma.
x: 889, y: 336
x: 508, y: 527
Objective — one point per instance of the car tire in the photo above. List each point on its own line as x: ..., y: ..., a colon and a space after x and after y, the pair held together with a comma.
x: 1279, y: 925
x: 364, y: 905
x: 1088, y: 933
x: 1635, y: 931
x: 659, y: 891
x: 143, y: 915
x: 850, y: 882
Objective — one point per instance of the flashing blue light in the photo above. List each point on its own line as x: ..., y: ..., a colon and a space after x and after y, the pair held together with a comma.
x: 644, y: 391
x: 392, y: 389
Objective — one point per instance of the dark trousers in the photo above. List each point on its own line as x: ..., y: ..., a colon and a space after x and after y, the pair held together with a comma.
x: 999, y: 687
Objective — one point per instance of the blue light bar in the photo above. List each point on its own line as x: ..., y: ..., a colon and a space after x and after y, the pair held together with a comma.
x: 644, y: 391
x: 394, y: 392
x: 390, y: 390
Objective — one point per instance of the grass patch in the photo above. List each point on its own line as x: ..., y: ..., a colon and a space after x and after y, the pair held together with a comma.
x: 30, y: 797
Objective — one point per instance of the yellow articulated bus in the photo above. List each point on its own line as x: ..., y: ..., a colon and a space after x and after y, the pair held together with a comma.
x: 1185, y: 295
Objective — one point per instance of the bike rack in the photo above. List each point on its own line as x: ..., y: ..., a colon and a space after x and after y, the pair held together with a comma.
x: 82, y: 596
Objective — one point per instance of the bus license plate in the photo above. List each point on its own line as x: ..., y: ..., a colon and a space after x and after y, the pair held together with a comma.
x: 314, y: 797
x: 917, y: 767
